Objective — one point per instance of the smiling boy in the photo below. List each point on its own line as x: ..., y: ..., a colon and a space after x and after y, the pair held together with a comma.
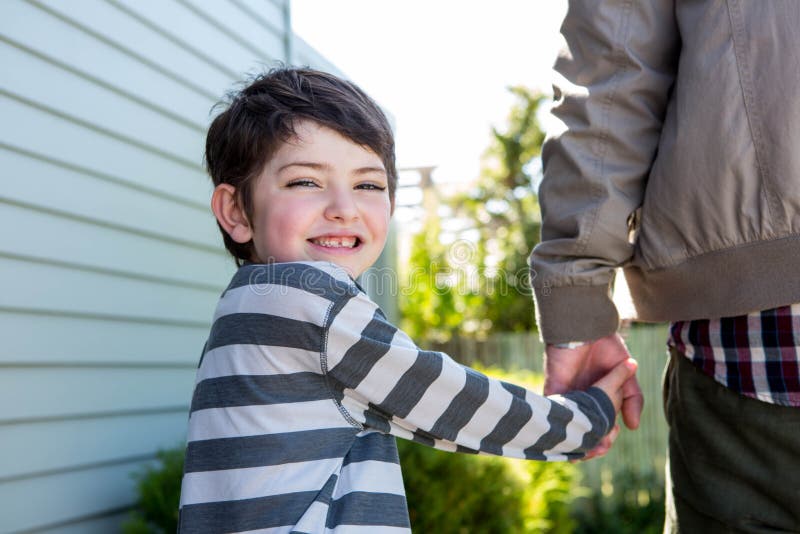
x: 321, y: 197
x: 304, y: 384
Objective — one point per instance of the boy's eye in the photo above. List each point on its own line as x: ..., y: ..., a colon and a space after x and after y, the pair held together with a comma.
x: 371, y: 187
x: 302, y: 182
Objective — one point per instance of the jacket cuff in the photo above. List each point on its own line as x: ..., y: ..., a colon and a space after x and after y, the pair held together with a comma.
x: 575, y: 313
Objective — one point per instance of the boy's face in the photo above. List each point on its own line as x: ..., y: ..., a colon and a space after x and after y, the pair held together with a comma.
x: 321, y: 197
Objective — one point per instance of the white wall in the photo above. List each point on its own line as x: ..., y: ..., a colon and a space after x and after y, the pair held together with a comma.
x: 110, y: 261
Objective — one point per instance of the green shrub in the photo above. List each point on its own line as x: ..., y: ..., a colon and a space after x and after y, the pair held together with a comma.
x: 626, y: 503
x: 462, y: 493
x: 159, y: 487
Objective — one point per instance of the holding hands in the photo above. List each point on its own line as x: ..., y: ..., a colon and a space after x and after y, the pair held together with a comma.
x: 606, y: 364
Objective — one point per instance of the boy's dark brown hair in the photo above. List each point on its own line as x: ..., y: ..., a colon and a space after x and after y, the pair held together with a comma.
x: 260, y: 117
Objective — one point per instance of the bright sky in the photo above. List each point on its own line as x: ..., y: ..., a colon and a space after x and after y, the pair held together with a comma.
x: 441, y: 67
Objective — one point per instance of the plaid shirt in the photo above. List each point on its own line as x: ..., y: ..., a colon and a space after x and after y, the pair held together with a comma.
x: 757, y: 355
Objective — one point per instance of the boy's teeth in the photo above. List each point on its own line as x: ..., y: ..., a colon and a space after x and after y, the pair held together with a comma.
x: 336, y: 242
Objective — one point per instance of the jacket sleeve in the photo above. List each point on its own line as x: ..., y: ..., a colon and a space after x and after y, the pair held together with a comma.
x: 383, y: 381
x: 611, y: 88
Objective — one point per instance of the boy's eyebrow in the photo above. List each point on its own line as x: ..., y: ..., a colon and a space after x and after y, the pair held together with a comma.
x: 325, y: 166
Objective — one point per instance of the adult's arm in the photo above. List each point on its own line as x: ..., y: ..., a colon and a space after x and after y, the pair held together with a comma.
x: 613, y: 81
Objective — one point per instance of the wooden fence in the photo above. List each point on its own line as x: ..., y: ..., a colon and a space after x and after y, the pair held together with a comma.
x: 639, y: 455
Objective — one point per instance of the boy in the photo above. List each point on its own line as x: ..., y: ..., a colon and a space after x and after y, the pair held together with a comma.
x: 304, y: 384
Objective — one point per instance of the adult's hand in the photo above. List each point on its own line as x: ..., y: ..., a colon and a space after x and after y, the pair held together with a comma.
x: 579, y: 368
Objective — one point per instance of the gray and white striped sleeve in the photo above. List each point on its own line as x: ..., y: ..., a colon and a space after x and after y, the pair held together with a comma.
x: 386, y: 382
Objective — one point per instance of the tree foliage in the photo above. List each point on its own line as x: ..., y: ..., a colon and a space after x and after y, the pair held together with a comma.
x: 479, y: 283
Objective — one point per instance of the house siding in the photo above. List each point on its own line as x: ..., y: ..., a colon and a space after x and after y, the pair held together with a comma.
x: 110, y: 260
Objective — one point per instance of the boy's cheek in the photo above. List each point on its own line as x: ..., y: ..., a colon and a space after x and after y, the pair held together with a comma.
x: 277, y: 243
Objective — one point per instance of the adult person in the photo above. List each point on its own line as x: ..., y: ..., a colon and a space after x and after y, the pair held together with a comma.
x: 678, y: 158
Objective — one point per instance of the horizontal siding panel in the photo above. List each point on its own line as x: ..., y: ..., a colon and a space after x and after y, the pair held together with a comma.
x: 60, y: 498
x: 269, y: 14
x: 115, y: 23
x: 76, y: 144
x: 52, y: 237
x: 31, y: 339
x: 79, y: 97
x: 180, y: 21
x: 100, y: 525
x: 114, y: 263
x: 54, y: 187
x: 34, y: 28
x: 27, y: 451
x: 262, y: 42
x: 40, y: 287
x: 64, y: 393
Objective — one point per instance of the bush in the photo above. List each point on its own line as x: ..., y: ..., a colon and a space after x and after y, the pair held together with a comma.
x: 462, y: 493
x: 159, y: 486
x: 626, y: 503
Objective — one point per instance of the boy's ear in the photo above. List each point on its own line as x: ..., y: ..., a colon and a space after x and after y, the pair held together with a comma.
x: 229, y: 214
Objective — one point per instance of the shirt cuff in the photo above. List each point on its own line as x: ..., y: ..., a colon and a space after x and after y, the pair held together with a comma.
x: 605, y: 404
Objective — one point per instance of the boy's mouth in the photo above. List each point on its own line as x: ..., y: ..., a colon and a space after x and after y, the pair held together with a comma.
x: 336, y: 242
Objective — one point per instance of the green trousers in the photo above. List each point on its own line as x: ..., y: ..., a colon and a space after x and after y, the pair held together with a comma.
x: 734, y: 462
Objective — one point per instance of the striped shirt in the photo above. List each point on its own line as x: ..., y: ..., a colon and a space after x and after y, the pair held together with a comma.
x: 757, y: 355
x: 303, y: 386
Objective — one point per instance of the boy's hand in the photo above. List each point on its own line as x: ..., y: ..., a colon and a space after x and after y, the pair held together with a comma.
x: 613, y: 385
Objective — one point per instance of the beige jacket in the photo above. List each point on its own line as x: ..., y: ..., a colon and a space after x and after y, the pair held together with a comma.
x: 678, y: 159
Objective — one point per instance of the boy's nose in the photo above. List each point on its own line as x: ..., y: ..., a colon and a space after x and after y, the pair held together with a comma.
x: 341, y: 206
